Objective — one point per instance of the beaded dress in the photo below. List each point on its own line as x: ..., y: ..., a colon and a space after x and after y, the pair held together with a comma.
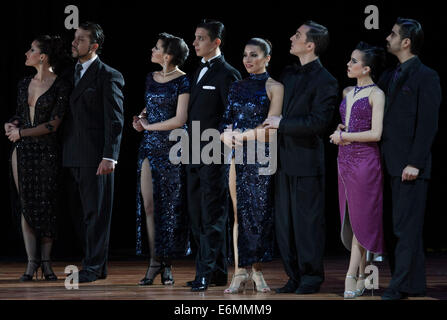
x: 248, y: 106
x: 39, y: 157
x: 360, y: 178
x: 168, y: 179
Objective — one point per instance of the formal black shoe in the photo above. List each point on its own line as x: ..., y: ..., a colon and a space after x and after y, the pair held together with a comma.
x: 422, y: 294
x: 191, y: 283
x: 200, y: 285
x: 86, y: 276
x: 48, y: 272
x: 219, y: 279
x: 29, y: 277
x: 307, y: 289
x: 102, y: 277
x: 290, y: 287
x: 393, y: 294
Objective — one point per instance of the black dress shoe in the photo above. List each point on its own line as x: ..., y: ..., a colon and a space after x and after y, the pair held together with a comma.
x: 307, y: 289
x: 85, y: 276
x: 191, y: 283
x: 393, y: 294
x: 290, y: 287
x: 200, y: 285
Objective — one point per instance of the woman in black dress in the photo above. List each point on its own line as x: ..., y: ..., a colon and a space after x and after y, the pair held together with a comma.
x: 35, y: 160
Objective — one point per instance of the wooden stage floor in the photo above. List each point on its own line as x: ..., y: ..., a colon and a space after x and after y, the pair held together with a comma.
x: 121, y: 284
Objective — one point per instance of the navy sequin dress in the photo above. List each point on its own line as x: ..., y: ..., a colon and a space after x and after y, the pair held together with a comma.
x: 168, y: 180
x: 248, y: 106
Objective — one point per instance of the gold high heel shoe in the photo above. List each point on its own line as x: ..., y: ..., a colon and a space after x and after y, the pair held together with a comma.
x: 260, y: 285
x: 238, y: 282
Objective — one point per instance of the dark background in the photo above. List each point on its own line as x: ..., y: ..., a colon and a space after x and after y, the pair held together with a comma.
x: 131, y: 29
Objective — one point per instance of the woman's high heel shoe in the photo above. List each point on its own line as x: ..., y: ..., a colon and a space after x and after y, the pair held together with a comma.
x: 259, y: 282
x: 149, y: 280
x: 238, y: 282
x: 350, y: 294
x: 360, y: 286
x: 167, y: 277
x: 50, y: 275
x: 29, y: 277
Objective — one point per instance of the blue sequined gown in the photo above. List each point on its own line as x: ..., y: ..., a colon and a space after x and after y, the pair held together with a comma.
x: 168, y: 180
x: 248, y: 106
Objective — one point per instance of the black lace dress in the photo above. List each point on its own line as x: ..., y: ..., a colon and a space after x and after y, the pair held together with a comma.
x: 39, y: 157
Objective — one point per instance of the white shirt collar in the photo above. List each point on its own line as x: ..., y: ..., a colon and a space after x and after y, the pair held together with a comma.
x: 216, y: 56
x: 87, y: 64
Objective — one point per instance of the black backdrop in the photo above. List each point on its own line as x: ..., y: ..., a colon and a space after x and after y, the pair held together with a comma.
x: 131, y: 29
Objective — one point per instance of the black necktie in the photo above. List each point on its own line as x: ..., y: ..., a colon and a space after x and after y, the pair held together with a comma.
x: 395, y: 76
x: 396, y: 73
x: 77, y: 75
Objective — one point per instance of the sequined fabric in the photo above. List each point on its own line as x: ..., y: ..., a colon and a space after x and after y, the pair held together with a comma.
x: 39, y: 158
x: 248, y: 106
x: 360, y: 183
x: 168, y: 180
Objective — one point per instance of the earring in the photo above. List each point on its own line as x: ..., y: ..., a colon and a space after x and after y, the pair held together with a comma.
x: 267, y: 64
x: 41, y: 62
x: 364, y: 72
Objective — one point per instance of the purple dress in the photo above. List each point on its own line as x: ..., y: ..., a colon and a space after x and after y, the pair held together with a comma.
x: 360, y: 180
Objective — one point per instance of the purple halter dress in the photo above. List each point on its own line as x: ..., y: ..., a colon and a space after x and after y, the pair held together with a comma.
x: 360, y: 181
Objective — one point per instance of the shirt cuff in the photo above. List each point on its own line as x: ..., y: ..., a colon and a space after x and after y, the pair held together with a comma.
x: 114, y: 161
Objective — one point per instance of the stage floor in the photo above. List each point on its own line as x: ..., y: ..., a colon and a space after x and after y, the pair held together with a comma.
x: 121, y: 284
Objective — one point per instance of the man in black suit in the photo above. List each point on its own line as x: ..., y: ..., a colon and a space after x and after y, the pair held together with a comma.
x: 206, y: 183
x: 93, y: 129
x: 413, y: 96
x: 310, y: 94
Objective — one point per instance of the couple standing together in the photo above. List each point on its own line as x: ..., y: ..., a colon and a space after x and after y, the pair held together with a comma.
x: 87, y: 104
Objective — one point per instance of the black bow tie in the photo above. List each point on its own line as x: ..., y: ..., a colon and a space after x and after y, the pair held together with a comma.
x: 205, y: 64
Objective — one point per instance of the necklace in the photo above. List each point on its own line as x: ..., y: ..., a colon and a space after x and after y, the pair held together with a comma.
x: 165, y: 74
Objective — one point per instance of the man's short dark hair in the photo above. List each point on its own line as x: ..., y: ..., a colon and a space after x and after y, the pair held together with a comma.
x: 215, y: 29
x: 96, y: 33
x: 412, y: 30
x: 319, y: 35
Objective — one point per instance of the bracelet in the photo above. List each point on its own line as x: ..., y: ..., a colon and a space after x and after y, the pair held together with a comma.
x: 341, y: 138
x: 20, y: 136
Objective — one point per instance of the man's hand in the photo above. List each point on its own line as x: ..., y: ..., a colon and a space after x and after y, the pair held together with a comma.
x: 105, y: 167
x: 410, y: 173
x: 272, y: 122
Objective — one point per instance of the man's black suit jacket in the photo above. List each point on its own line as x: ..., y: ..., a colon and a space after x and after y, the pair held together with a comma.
x: 94, y: 122
x: 310, y: 95
x: 209, y: 98
x: 411, y: 119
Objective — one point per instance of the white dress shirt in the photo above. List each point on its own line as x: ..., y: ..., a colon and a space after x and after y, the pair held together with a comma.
x: 205, y: 69
x: 85, y: 66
